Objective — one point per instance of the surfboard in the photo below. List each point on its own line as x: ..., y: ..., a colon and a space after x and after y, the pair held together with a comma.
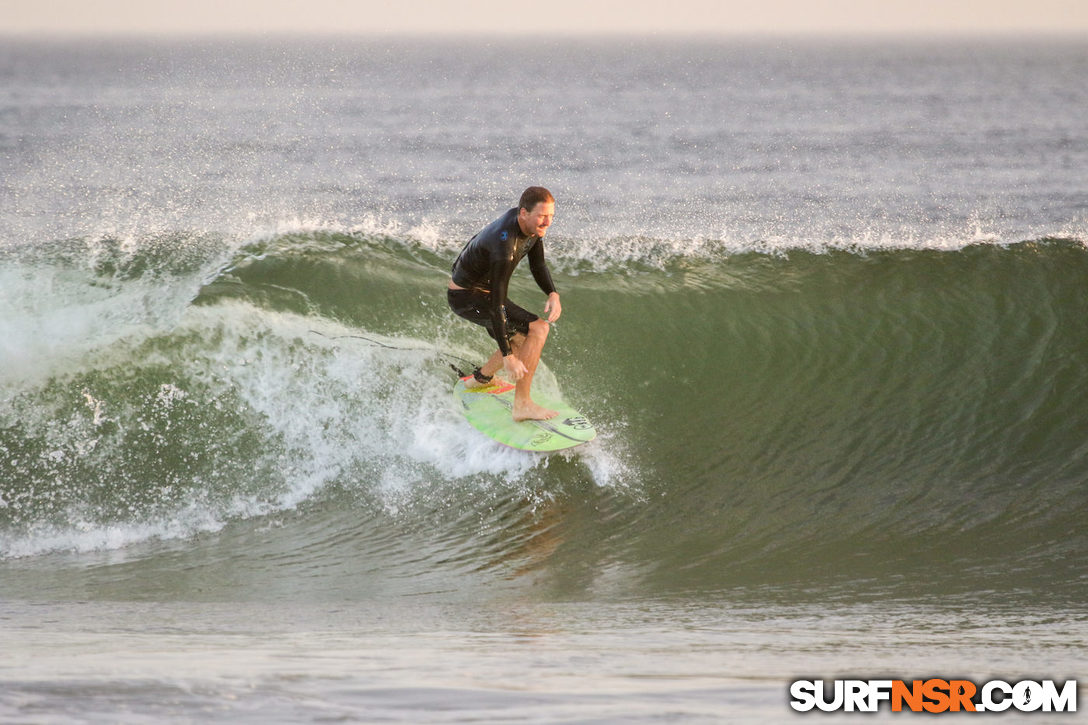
x: 488, y: 409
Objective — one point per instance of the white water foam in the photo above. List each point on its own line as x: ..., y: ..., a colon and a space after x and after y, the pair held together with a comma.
x: 55, y: 311
x: 332, y: 406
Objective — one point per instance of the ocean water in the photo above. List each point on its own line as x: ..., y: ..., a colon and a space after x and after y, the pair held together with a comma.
x: 824, y: 301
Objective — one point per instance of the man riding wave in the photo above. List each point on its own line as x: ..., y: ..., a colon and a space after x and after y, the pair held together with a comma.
x: 477, y: 292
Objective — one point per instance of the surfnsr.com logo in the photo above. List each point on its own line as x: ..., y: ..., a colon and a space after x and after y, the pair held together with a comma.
x: 933, y: 695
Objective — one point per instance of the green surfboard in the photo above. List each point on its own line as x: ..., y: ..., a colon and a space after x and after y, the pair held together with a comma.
x: 489, y: 408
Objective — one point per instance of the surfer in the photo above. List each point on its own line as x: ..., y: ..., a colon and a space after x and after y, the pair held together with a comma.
x: 477, y: 292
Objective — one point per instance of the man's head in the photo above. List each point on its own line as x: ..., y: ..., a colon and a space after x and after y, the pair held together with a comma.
x: 535, y: 210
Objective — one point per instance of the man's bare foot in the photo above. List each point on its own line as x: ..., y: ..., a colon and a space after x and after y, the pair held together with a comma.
x: 532, y: 411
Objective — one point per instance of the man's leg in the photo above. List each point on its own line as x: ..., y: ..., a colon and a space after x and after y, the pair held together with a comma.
x: 489, y: 368
x: 529, y: 353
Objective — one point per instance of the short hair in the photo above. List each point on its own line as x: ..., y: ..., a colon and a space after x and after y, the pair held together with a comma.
x: 535, y: 195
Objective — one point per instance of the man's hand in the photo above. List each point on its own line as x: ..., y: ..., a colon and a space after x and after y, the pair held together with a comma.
x: 515, y: 368
x: 552, y: 308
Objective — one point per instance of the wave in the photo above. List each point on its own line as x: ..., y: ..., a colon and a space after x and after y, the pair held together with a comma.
x: 768, y: 415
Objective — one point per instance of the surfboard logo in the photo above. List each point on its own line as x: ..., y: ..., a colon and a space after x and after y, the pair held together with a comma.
x: 540, y: 439
x: 577, y: 423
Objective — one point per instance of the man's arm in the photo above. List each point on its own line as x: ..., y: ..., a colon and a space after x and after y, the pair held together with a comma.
x: 539, y: 268
x: 502, y: 268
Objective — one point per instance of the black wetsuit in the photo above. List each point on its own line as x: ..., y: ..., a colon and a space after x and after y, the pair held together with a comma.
x: 484, y: 267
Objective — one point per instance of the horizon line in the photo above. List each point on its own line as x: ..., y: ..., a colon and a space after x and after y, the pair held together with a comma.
x: 830, y: 34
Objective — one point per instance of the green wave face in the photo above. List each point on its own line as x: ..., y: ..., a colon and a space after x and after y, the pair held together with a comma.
x: 905, y: 419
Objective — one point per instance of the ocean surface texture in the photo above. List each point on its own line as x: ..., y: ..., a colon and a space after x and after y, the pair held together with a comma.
x: 826, y: 303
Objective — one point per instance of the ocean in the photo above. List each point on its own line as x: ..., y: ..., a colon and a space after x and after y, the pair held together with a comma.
x: 824, y: 301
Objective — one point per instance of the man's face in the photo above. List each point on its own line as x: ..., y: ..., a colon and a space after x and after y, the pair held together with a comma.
x: 538, y: 220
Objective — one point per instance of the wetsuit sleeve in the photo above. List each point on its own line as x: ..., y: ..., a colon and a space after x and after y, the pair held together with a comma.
x: 502, y: 267
x: 539, y: 268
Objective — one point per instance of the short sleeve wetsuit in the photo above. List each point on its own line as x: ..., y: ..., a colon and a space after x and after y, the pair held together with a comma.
x: 484, y: 268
